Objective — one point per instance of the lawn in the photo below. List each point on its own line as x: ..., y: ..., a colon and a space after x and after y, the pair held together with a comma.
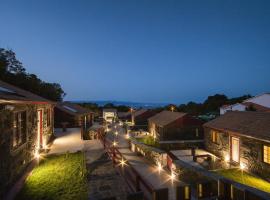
x: 57, y: 178
x: 148, y: 140
x: 245, y: 178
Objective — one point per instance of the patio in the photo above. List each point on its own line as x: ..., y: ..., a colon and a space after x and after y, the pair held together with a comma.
x: 201, y: 158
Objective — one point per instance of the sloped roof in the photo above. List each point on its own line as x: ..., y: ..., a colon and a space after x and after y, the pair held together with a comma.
x: 123, y: 114
x: 13, y: 94
x: 257, y: 107
x: 247, y: 123
x: 165, y: 117
x: 139, y: 112
x: 72, y: 108
x: 109, y: 110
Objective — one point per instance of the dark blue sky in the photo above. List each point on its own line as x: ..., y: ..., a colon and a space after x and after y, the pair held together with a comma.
x: 146, y: 51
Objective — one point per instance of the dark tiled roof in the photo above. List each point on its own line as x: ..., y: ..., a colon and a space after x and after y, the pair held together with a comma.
x: 257, y: 107
x: 123, y: 114
x: 165, y: 117
x: 73, y: 109
x: 139, y: 112
x: 109, y: 110
x: 254, y: 124
x: 10, y: 93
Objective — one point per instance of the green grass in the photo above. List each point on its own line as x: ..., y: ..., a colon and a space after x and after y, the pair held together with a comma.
x: 148, y: 140
x: 245, y: 178
x: 57, y: 178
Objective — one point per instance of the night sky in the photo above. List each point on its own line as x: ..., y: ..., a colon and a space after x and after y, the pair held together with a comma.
x: 142, y: 51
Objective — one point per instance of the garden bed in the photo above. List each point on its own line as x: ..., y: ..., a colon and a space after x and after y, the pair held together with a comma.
x: 148, y: 140
x: 57, y: 177
x: 245, y: 178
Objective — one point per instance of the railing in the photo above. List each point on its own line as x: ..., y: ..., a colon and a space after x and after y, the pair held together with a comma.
x: 134, y: 180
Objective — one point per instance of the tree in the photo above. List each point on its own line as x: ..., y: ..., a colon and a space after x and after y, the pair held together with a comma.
x: 213, y: 103
x: 13, y: 72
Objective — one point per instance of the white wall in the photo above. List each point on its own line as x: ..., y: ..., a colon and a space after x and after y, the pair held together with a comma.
x: 235, y: 107
x: 263, y: 100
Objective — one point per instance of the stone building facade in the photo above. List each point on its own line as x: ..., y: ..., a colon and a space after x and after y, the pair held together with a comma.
x: 168, y: 125
x: 26, y: 126
x: 241, y: 138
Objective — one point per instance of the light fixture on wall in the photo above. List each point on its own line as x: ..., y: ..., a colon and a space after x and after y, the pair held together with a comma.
x: 159, y: 167
x: 243, y: 166
x: 227, y: 158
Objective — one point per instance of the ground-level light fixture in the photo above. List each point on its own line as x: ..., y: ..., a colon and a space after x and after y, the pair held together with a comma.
x: 227, y: 158
x: 37, y: 155
x: 243, y: 166
x: 114, y: 143
x: 159, y: 167
x: 123, y: 162
x: 172, y: 176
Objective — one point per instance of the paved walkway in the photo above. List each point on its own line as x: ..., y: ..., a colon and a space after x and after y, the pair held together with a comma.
x: 143, y: 167
x: 103, y: 180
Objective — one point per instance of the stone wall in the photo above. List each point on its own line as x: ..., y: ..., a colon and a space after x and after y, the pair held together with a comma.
x: 150, y: 153
x: 251, y: 151
x: 14, y: 160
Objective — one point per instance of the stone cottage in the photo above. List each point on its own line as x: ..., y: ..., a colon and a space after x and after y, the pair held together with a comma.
x: 168, y: 125
x: 242, y: 138
x: 73, y: 115
x: 26, y: 126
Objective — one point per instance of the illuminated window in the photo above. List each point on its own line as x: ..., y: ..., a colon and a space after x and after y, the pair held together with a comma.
x: 214, y: 136
x: 231, y: 191
x: 186, y: 192
x: 266, y: 154
x: 200, y: 190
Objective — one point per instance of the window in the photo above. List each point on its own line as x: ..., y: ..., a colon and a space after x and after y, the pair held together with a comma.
x: 200, y: 190
x: 186, y: 192
x: 266, y: 154
x: 19, y: 132
x: 214, y: 136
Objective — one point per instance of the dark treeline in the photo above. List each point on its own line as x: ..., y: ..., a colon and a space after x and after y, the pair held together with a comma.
x: 210, y: 105
x: 13, y: 72
x: 95, y: 108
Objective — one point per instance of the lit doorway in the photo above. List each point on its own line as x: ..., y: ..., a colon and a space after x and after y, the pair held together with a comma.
x: 235, y: 149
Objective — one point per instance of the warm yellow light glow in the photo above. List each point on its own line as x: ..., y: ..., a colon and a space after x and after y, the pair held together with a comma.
x: 159, y: 167
x: 172, y: 108
x: 116, y: 133
x: 37, y: 155
x: 242, y: 166
x: 227, y: 158
x: 123, y: 162
x: 44, y: 144
x: 127, y: 136
x: 114, y: 144
x: 172, y: 177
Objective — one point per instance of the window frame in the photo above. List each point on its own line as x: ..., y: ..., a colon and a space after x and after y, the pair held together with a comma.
x: 16, y: 129
x: 216, y: 133
x: 268, y: 155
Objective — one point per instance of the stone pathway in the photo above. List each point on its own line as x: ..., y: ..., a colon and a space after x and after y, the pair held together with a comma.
x: 144, y: 168
x: 104, y: 181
